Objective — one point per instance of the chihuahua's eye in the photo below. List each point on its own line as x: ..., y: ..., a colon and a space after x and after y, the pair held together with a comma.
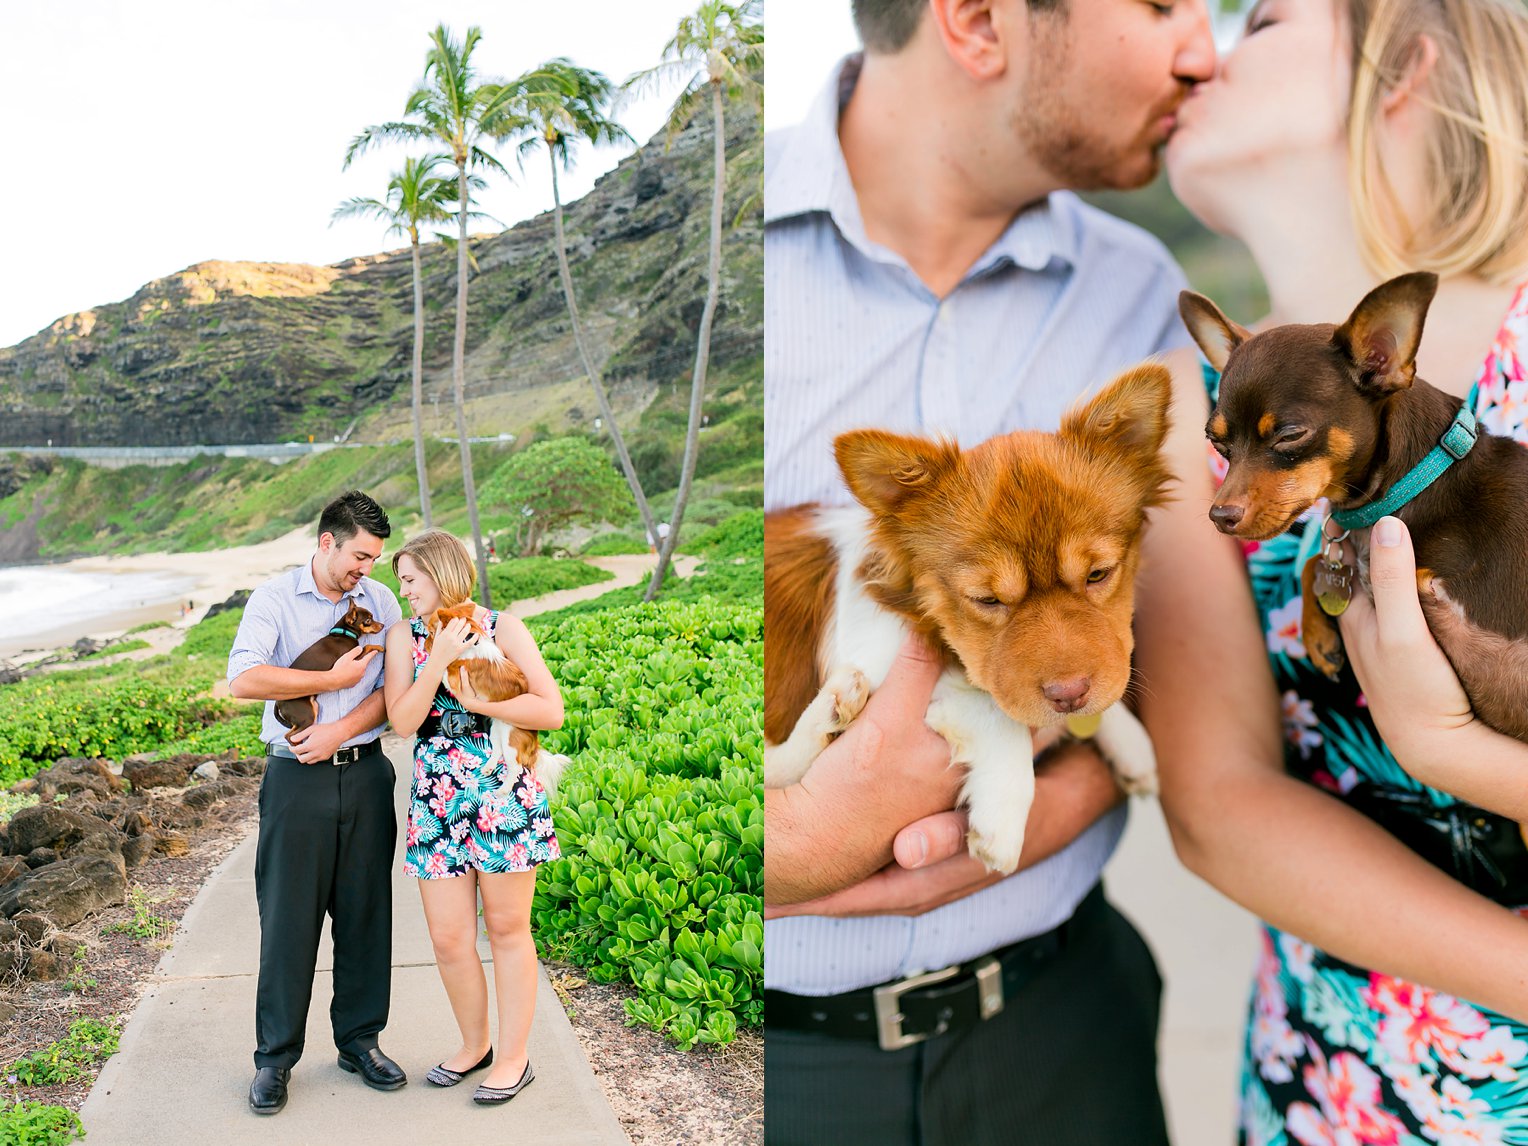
x: 1099, y: 576
x: 1220, y: 448
x: 1291, y: 438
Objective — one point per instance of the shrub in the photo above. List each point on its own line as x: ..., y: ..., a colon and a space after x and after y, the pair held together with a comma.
x: 661, y: 816
x: 89, y: 1043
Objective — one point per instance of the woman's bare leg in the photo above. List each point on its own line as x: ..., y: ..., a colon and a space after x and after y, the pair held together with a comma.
x: 450, y: 911
x: 507, y: 917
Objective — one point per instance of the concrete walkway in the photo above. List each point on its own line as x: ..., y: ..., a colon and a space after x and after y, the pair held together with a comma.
x: 183, y: 1073
x: 1205, y: 946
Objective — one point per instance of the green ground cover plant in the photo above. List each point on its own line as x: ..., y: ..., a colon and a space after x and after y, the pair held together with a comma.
x: 660, y: 815
x: 88, y: 1043
x: 26, y: 1123
x: 144, y: 924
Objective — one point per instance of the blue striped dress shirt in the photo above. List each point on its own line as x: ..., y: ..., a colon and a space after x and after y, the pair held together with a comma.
x: 1066, y: 297
x: 286, y: 615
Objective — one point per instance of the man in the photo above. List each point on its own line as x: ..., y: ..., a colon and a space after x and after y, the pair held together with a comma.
x: 327, y: 826
x: 926, y: 271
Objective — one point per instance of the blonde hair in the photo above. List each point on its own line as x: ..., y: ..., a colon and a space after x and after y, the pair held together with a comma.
x: 442, y: 558
x: 1475, y: 219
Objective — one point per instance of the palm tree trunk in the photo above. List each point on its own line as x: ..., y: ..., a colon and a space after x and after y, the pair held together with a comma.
x: 583, y: 352
x: 702, y: 349
x: 458, y: 383
x: 420, y: 468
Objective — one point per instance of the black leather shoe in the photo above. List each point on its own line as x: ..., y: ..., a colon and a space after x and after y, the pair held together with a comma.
x: 268, y: 1093
x: 376, y: 1070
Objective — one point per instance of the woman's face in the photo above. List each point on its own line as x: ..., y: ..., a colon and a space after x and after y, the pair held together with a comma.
x: 1280, y: 94
x: 418, y: 590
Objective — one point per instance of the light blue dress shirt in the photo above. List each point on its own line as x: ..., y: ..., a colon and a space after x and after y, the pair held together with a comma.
x: 1064, y: 299
x: 286, y: 615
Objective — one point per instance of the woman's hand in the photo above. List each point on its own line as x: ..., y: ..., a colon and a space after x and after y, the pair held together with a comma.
x: 1412, y: 691
x: 452, y: 641
x: 460, y: 685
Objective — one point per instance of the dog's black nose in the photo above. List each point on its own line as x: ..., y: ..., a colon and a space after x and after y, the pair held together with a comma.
x: 1068, y: 695
x: 1227, y: 517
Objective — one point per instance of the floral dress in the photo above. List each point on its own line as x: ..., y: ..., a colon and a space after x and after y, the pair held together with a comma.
x: 1334, y: 1054
x: 464, y: 812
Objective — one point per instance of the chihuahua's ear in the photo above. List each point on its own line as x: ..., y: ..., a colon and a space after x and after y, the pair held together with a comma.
x: 1380, y: 337
x: 885, y: 470
x: 1128, y: 416
x: 1216, y: 334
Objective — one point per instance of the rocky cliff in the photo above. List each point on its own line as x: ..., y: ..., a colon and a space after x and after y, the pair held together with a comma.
x: 259, y: 352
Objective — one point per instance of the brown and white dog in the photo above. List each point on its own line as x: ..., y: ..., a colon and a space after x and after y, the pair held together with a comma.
x: 299, y: 712
x: 495, y: 677
x: 1015, y: 560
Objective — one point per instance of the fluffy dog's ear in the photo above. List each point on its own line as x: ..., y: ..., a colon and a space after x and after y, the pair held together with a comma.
x: 1128, y: 416
x: 885, y: 470
x: 1380, y: 337
x: 1216, y: 334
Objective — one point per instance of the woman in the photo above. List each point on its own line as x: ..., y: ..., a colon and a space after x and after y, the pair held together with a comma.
x: 1345, y: 141
x: 473, y: 826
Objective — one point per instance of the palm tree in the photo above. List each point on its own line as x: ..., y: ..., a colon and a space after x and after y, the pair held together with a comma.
x: 454, y: 109
x: 717, y: 51
x: 415, y: 195
x: 563, y: 104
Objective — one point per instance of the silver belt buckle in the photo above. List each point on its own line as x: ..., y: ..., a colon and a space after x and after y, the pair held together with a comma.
x: 345, y: 755
x: 888, y: 1013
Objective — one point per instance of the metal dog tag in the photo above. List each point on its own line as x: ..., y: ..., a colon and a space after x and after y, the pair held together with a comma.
x: 1333, y: 586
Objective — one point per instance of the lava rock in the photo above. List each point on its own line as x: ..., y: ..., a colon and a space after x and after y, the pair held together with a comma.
x: 68, y: 890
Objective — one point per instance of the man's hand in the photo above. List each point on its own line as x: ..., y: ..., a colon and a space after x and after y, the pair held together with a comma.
x: 835, y: 826
x: 1413, y: 694
x: 350, y: 668
x: 317, y: 742
x: 1072, y: 790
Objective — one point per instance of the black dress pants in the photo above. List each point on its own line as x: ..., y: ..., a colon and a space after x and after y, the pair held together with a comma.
x: 327, y: 834
x: 1071, y: 1060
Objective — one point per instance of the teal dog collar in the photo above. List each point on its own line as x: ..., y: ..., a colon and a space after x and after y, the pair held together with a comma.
x: 1458, y: 440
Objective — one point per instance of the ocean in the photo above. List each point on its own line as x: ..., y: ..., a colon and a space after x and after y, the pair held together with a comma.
x: 44, y: 606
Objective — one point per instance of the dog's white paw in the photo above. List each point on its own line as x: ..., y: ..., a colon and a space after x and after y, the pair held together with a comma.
x: 996, y: 844
x: 849, y: 691
x: 1127, y: 746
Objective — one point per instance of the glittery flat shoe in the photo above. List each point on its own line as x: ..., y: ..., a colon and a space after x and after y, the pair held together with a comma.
x: 442, y: 1075
x: 494, y: 1096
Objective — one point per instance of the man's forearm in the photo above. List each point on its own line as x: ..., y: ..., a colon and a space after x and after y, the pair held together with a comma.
x: 797, y: 864
x: 268, y: 682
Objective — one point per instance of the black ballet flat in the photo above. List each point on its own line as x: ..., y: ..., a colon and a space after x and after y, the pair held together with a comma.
x: 442, y: 1075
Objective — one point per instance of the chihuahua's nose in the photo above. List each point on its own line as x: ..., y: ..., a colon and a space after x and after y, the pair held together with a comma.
x: 1227, y: 517
x: 1068, y: 695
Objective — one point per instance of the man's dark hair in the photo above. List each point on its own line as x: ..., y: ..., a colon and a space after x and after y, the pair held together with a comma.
x: 349, y: 514
x: 887, y: 26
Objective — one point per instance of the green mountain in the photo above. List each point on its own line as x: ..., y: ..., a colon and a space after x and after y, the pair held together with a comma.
x: 234, y: 353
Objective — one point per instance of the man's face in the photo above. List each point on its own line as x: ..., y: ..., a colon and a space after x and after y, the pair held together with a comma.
x: 343, y: 564
x: 1102, y: 81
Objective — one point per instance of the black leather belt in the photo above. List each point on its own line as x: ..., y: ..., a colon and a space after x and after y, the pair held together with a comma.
x: 907, y: 1011
x: 344, y: 756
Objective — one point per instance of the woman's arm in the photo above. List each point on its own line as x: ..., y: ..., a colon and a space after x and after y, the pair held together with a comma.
x: 540, y: 706
x: 1415, y: 698
x: 408, y: 699
x: 1299, y: 858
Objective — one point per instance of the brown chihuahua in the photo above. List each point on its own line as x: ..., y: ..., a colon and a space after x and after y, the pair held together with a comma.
x: 299, y: 712
x: 1306, y: 412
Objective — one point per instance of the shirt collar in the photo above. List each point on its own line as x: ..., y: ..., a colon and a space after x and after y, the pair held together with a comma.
x: 306, y: 584
x: 810, y: 177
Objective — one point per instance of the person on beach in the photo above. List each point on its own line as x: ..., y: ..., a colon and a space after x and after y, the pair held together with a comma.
x: 1345, y: 142
x: 327, y: 825
x: 476, y: 826
x: 927, y: 270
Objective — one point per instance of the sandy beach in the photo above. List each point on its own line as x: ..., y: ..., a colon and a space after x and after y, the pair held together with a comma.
x: 202, y: 578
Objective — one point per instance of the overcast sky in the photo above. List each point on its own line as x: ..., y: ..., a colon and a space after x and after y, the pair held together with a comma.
x: 143, y: 136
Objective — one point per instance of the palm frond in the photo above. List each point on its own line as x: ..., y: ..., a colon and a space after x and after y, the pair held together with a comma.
x: 381, y: 133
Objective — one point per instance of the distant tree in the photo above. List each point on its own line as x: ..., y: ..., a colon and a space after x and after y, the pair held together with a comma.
x: 454, y: 109
x: 415, y: 196
x: 718, y: 52
x: 555, y: 483
x: 564, y: 104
